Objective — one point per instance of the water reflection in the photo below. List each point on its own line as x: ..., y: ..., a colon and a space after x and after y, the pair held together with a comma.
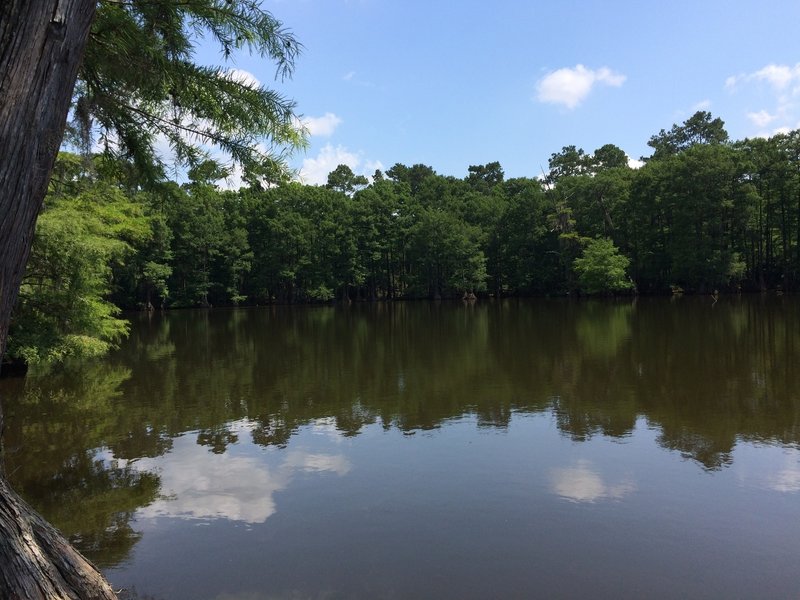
x: 195, y: 417
x: 228, y: 486
x: 582, y: 483
x: 57, y: 428
x: 602, y: 328
x: 317, y: 463
x: 776, y: 470
x: 705, y: 374
x: 787, y: 479
x: 209, y: 487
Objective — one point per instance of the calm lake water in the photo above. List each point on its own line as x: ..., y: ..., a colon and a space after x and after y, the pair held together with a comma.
x: 513, y: 449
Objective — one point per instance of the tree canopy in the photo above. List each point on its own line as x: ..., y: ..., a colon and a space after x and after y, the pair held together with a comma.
x: 169, y: 97
x: 700, y: 128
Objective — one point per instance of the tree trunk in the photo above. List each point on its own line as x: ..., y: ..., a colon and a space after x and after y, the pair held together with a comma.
x: 37, y: 562
x: 41, y: 47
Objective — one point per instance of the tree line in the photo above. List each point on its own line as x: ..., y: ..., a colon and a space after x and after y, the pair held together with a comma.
x: 703, y: 214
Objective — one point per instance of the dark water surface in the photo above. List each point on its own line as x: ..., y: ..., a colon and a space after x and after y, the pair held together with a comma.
x: 497, y: 450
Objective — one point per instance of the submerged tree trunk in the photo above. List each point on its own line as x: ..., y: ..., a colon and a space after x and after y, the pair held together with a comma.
x: 41, y: 47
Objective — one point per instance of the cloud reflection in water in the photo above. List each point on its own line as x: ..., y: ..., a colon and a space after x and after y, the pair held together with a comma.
x: 197, y: 484
x: 582, y: 484
x: 787, y: 479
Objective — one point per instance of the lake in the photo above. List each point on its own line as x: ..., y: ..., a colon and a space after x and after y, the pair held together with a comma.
x: 501, y: 449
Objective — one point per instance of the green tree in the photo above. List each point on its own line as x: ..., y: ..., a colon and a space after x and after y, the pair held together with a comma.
x: 484, y: 177
x: 63, y: 309
x: 279, y: 239
x: 168, y: 94
x: 196, y: 218
x: 700, y: 128
x: 609, y: 156
x: 686, y: 209
x: 770, y: 239
x: 598, y: 201
x: 383, y: 216
x: 233, y: 265
x: 146, y: 273
x: 569, y: 162
x: 372, y: 222
x: 602, y: 269
x: 413, y: 176
x: 447, y: 258
x: 527, y: 244
x: 342, y: 179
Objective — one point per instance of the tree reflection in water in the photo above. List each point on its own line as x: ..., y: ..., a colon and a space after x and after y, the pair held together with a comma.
x: 57, y: 429
x: 704, y: 375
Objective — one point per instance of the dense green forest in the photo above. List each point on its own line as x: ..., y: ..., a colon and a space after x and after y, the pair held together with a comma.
x: 703, y: 214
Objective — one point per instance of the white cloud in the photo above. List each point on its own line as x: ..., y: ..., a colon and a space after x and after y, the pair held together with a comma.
x: 371, y: 166
x: 315, y: 170
x: 570, y: 86
x: 782, y: 82
x: 761, y: 118
x: 323, y: 126
x: 702, y: 105
x: 581, y: 484
x: 243, y: 77
x: 785, y: 130
x: 349, y: 76
x: 635, y: 163
x: 780, y: 77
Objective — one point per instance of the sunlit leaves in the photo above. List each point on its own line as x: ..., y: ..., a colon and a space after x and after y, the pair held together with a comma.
x: 602, y: 269
x: 140, y: 88
x: 62, y: 310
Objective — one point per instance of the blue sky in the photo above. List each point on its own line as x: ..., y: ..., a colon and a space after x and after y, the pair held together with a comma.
x: 450, y: 84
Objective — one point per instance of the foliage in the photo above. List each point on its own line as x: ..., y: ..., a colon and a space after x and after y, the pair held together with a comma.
x: 700, y: 128
x: 342, y: 179
x: 448, y: 256
x: 170, y: 96
x: 602, y: 269
x: 63, y: 310
x: 570, y: 162
x: 484, y: 177
x: 609, y: 156
x: 712, y: 216
x: 574, y: 162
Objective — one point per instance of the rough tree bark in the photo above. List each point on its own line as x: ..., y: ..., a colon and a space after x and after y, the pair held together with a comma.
x: 41, y: 47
